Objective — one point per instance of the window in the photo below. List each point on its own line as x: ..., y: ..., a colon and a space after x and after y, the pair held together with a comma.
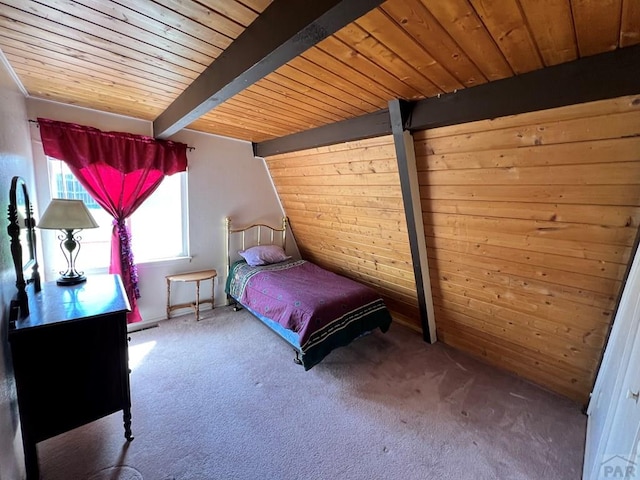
x: 158, y: 227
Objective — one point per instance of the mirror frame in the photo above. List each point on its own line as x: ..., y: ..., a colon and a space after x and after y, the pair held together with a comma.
x: 23, y: 238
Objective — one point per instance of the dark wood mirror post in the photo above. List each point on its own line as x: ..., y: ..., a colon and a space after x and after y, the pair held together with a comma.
x: 21, y: 229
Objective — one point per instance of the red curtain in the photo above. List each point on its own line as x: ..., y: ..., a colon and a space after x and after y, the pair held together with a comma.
x: 119, y: 170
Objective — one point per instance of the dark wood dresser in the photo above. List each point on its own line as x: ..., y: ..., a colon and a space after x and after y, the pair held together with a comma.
x: 70, y: 360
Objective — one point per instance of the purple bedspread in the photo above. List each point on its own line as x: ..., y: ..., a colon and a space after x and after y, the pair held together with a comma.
x: 300, y: 296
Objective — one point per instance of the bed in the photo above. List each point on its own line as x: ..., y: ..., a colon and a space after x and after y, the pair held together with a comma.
x: 313, y: 310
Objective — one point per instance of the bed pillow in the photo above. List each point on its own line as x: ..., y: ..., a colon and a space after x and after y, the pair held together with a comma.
x: 264, y: 255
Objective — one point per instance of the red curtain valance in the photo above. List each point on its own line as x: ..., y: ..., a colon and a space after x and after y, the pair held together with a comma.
x: 80, y: 146
x: 120, y: 171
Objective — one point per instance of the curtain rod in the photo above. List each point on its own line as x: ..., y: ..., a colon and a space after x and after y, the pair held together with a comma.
x: 36, y: 122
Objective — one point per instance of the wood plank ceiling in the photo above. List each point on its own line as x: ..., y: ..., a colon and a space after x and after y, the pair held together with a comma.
x: 135, y: 57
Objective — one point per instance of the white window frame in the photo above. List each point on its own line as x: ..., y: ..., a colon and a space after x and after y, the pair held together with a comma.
x: 50, y: 244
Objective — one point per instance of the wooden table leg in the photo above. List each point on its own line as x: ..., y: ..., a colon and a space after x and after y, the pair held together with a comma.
x: 197, y: 300
x: 168, y: 299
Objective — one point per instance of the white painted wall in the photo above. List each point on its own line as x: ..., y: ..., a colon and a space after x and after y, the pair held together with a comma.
x: 15, y: 159
x: 224, y: 179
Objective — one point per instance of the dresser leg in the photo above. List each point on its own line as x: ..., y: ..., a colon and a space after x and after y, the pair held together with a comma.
x: 127, y: 424
x: 31, y: 460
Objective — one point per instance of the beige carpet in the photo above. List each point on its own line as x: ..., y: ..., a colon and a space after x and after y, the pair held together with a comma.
x: 222, y: 399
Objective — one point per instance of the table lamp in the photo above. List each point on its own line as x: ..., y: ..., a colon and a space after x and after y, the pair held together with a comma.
x: 69, y: 216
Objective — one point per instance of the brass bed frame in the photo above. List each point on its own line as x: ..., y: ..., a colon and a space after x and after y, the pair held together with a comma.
x: 258, y: 236
x: 321, y: 349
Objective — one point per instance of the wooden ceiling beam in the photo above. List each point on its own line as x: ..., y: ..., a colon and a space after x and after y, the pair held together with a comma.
x: 283, y: 31
x: 374, y: 124
x: 598, y: 77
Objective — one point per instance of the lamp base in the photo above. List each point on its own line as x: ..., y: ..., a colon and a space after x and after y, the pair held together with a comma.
x: 68, y: 281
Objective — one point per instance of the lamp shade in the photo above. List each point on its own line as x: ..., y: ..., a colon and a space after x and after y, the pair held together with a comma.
x: 64, y: 214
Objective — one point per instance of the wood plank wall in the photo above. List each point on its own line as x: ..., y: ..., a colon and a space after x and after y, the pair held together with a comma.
x: 345, y: 207
x: 530, y: 222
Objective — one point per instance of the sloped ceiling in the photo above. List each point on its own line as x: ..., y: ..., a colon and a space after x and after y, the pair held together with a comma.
x: 135, y: 57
